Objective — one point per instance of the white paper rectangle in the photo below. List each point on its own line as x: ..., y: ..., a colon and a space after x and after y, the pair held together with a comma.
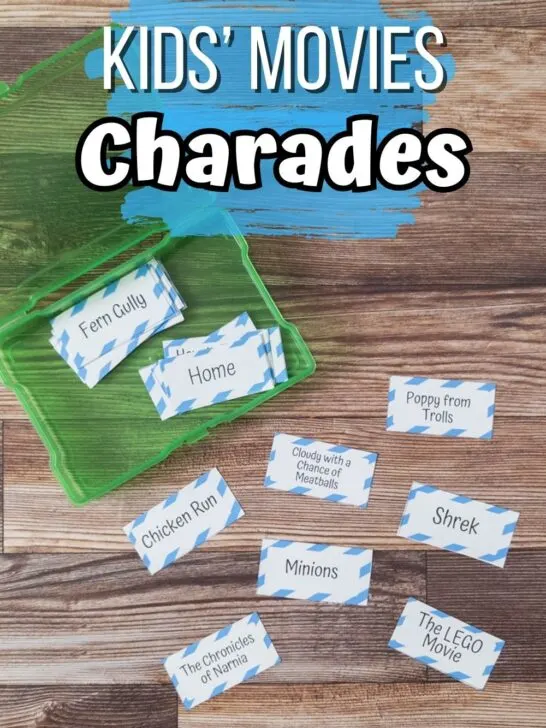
x: 215, y: 374
x: 91, y: 374
x: 315, y: 572
x: 276, y: 355
x: 448, y: 407
x: 184, y: 521
x: 455, y: 648
x: 222, y: 660
x: 335, y: 473
x: 459, y: 524
x: 234, y: 329
x: 118, y: 314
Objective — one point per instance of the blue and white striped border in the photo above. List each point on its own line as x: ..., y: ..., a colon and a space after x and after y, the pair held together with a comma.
x: 262, y: 654
x: 272, y: 481
x: 93, y: 373
x: 163, y: 289
x: 167, y: 406
x: 227, y: 332
x: 361, y: 561
x: 477, y: 680
x: 419, y: 429
x: 156, y: 559
x: 507, y: 522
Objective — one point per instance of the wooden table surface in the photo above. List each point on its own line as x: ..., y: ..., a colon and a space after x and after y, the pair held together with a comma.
x: 462, y: 293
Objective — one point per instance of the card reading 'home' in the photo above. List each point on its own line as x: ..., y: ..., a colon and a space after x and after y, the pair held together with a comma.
x: 184, y: 521
x: 335, y: 473
x: 458, y: 523
x: 315, y: 571
x: 216, y: 374
x: 455, y: 648
x: 448, y: 407
x: 232, y: 655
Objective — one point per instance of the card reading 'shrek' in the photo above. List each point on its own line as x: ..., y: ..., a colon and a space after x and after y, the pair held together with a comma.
x: 458, y: 523
x: 184, y: 521
x: 335, y: 473
x: 222, y: 660
x: 315, y: 571
x: 448, y: 407
x: 455, y: 648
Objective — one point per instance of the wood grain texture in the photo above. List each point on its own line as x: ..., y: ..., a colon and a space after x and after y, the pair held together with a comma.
x: 19, y: 50
x: 428, y: 301
x: 103, y: 619
x: 465, y: 13
x: 508, y: 471
x: 374, y: 706
x: 460, y: 293
x: 497, y: 83
x: 119, y: 706
x: 508, y: 603
x: 497, y: 95
x: 37, y: 14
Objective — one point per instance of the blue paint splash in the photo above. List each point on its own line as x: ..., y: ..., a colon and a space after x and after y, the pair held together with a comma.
x: 273, y: 209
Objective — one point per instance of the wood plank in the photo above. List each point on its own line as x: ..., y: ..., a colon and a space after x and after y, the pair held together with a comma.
x: 487, y: 471
x: 23, y: 47
x: 52, y: 13
x: 103, y: 619
x: 473, y: 13
x: 373, y: 706
x: 464, y: 13
x: 1, y: 486
x: 497, y: 84
x: 446, y: 287
x: 508, y: 603
x: 360, y: 339
x: 131, y: 706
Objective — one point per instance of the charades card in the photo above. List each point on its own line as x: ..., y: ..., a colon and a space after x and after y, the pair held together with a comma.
x: 314, y: 571
x: 178, y: 347
x: 241, y: 330
x: 455, y: 648
x: 448, y: 407
x: 120, y: 313
x: 458, y: 523
x: 335, y: 473
x: 222, y: 660
x: 91, y: 374
x: 184, y: 521
x: 271, y: 339
x: 215, y: 374
x: 234, y: 329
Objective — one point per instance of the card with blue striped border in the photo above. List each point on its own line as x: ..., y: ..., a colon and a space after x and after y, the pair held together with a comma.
x: 184, y: 521
x: 446, y: 407
x: 459, y: 650
x: 458, y: 523
x: 315, y: 572
x: 335, y: 473
x: 231, y: 656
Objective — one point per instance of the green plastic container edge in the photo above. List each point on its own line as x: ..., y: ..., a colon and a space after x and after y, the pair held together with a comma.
x: 12, y: 322
x: 200, y: 433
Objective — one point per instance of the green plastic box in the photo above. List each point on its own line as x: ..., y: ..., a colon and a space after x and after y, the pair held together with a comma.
x: 59, y: 242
